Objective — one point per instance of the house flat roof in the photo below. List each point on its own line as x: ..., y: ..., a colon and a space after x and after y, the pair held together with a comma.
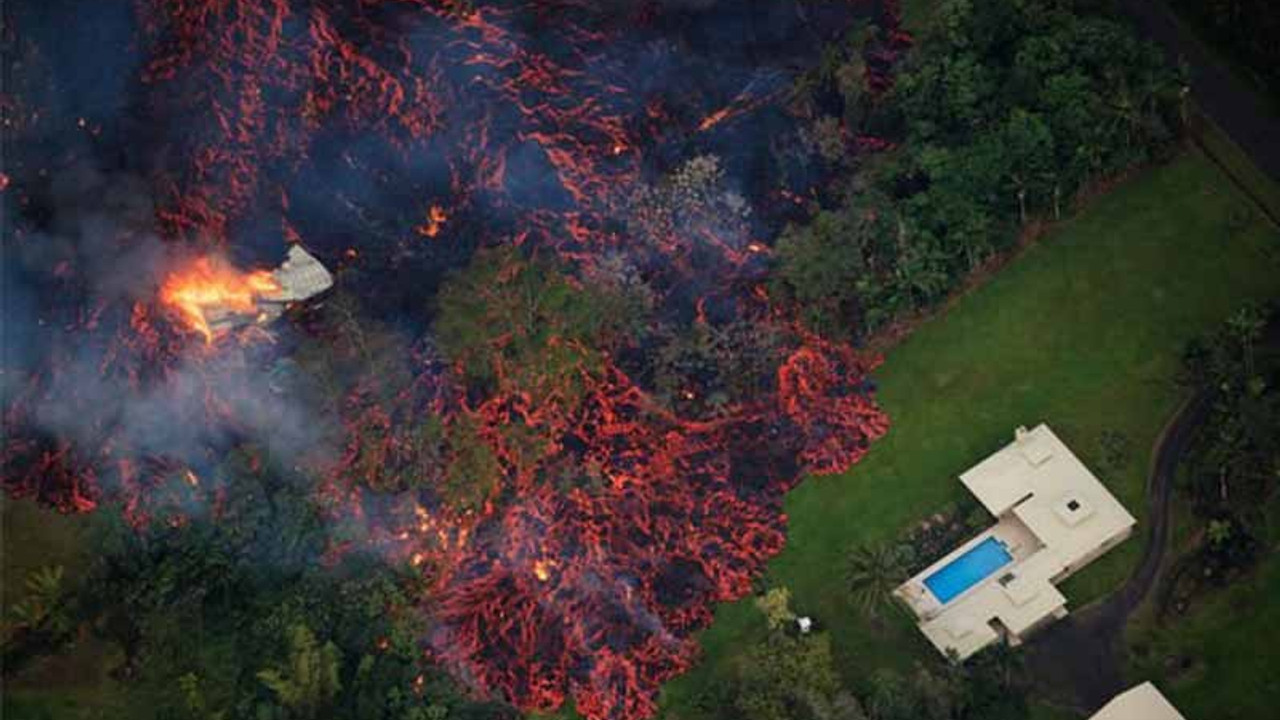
x: 1143, y: 702
x: 1053, y: 515
x: 1041, y: 482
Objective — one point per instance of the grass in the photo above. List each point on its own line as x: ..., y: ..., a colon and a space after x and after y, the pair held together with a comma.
x: 1233, y: 643
x: 1084, y: 331
x: 1229, y: 637
x: 74, y: 683
x: 56, y: 539
x: 1049, y: 712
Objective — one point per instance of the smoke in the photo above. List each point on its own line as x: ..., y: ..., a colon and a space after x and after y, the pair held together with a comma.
x: 91, y: 359
x: 563, y: 126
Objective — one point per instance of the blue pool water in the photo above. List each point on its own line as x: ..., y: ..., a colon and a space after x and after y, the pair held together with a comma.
x: 968, y: 570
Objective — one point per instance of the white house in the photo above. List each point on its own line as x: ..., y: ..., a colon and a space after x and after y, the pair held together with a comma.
x: 1053, y: 517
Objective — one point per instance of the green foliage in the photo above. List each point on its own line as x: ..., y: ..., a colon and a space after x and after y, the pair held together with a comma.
x: 776, y: 606
x: 1233, y: 465
x: 825, y: 265
x: 196, y: 705
x: 473, y: 471
x: 198, y: 609
x: 307, y: 683
x: 701, y: 370
x: 43, y: 606
x: 510, y: 322
x: 780, y: 675
x: 1236, y: 459
x: 872, y: 572
x: 1003, y: 111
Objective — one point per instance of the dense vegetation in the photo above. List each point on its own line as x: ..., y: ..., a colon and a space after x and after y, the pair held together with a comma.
x: 1006, y: 112
x: 240, y: 613
x: 786, y: 675
x: 1233, y: 469
x: 1209, y: 636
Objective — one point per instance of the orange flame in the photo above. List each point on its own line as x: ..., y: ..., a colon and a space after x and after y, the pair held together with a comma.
x: 435, y: 219
x: 213, y: 284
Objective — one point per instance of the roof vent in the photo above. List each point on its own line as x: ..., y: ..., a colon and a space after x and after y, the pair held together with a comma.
x: 1072, y: 509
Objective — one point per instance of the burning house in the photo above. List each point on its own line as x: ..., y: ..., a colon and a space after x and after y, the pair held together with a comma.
x: 364, y: 133
x: 216, y: 298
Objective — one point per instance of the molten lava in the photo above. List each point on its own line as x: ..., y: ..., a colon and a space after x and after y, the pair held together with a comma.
x: 615, y: 522
x: 209, y: 286
x: 436, y: 217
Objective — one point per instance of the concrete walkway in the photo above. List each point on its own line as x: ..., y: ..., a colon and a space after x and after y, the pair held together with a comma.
x: 1078, y: 662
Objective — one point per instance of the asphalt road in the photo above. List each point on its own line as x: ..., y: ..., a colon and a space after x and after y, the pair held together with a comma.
x: 1232, y: 103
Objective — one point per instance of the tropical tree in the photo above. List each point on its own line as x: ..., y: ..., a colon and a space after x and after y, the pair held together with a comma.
x: 1028, y: 145
x: 828, y: 266
x: 891, y: 697
x: 1245, y: 327
x: 193, y: 696
x: 783, y: 672
x: 307, y: 683
x: 521, y: 323
x: 43, y: 606
x: 776, y: 606
x: 871, y: 574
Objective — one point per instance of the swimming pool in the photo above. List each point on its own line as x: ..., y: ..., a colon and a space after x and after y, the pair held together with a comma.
x: 968, y: 570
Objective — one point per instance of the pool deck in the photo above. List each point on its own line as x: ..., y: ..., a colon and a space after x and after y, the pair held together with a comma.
x: 1053, y: 517
x: 1017, y: 540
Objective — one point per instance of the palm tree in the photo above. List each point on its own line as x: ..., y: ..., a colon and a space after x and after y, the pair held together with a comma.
x: 43, y: 607
x: 871, y: 574
x: 1246, y: 326
x: 1126, y: 112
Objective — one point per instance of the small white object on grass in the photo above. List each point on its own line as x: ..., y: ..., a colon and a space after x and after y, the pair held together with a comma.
x: 805, y: 623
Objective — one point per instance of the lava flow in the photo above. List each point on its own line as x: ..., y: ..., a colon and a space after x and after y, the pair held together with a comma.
x: 614, y: 520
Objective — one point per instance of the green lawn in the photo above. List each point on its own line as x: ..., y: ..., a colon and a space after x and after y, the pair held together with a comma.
x: 1231, y: 638
x: 1083, y: 331
x: 1233, y: 643
x: 74, y: 683
x: 24, y: 526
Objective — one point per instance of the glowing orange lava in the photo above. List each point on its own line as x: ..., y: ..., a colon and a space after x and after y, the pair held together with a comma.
x: 211, y: 284
x: 435, y: 219
x: 714, y: 119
